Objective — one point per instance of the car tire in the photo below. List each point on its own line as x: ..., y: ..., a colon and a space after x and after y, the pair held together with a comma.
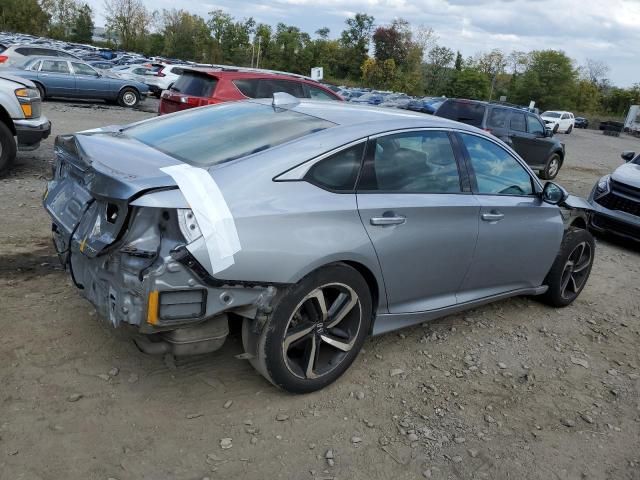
x: 300, y: 349
x: 41, y: 91
x: 128, y: 97
x: 568, y: 132
x: 8, y: 148
x: 556, y: 128
x: 571, y: 268
x: 551, y: 168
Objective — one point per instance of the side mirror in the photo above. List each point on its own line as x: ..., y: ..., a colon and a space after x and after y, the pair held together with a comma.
x: 554, y: 193
x: 628, y: 156
x: 548, y: 133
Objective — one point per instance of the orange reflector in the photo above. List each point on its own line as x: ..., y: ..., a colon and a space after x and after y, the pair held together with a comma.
x: 152, y: 308
x: 26, y: 109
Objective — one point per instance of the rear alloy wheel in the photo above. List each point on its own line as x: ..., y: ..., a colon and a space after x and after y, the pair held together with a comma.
x: 7, y: 148
x: 552, y: 167
x: 128, y: 97
x: 568, y: 132
x: 315, y: 331
x: 571, y: 269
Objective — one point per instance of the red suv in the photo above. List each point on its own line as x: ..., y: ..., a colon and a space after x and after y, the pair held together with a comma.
x: 198, y: 87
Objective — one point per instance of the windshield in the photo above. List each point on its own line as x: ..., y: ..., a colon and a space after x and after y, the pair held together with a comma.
x: 208, y: 136
x: 551, y: 114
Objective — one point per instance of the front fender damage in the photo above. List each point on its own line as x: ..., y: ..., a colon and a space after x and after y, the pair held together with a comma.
x: 575, y: 211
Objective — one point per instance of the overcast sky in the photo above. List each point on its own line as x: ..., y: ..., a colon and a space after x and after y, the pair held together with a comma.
x: 607, y: 30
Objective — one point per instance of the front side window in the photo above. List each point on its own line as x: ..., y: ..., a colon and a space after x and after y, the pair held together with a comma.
x: 535, y: 127
x: 209, y: 136
x: 414, y: 162
x: 496, y: 171
x: 35, y: 66
x: 55, y: 66
x: 319, y: 94
x: 82, y: 69
x: 338, y: 172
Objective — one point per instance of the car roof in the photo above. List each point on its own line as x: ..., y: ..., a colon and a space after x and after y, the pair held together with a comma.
x: 346, y: 114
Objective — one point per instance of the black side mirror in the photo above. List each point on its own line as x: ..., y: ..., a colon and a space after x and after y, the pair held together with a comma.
x: 548, y: 133
x: 554, y: 193
x: 628, y: 156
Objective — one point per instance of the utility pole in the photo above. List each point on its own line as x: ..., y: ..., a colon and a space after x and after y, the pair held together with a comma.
x: 258, y: 56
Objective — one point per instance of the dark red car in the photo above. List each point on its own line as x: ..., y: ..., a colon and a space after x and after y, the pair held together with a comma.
x: 198, y: 87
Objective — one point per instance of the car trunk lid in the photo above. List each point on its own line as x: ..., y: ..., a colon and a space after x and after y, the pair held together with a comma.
x: 96, y: 176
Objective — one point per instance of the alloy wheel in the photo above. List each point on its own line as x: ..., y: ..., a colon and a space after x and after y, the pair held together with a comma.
x: 576, y: 270
x: 129, y: 98
x: 553, y: 167
x: 322, y: 330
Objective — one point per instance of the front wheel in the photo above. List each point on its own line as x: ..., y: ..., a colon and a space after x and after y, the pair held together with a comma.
x: 315, y: 331
x: 552, y: 167
x: 571, y: 268
x: 128, y: 97
x: 556, y: 128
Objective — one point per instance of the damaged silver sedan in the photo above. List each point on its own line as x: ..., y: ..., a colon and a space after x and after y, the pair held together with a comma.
x: 314, y: 225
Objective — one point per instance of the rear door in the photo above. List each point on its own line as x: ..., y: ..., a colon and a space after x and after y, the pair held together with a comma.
x: 57, y: 79
x: 519, y: 235
x: 416, y: 206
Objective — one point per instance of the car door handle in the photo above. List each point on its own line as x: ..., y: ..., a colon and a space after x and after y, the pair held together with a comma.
x: 492, y: 217
x: 382, y: 221
x: 44, y: 74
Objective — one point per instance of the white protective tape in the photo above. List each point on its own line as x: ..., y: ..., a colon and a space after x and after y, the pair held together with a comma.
x: 212, y: 213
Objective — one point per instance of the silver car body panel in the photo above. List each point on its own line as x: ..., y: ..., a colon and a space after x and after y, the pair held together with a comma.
x: 442, y: 259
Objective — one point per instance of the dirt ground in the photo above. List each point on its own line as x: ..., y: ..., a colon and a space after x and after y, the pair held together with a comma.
x: 515, y: 390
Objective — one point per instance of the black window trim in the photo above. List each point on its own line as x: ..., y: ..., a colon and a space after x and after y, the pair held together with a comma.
x: 367, y: 167
x: 535, y: 182
x: 298, y: 173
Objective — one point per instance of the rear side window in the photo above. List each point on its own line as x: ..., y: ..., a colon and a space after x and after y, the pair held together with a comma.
x: 248, y: 87
x: 465, y: 112
x: 498, y: 118
x: 267, y: 87
x: 518, y: 122
x: 195, y: 84
x: 25, y: 51
x: 209, y: 136
x: 2, y: 48
x: 338, y: 172
x: 177, y: 70
x: 55, y: 66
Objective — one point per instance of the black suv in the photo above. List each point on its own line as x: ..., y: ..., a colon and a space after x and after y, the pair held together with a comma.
x: 516, y: 126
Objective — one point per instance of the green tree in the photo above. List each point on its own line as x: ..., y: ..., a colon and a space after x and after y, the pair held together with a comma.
x: 82, y: 30
x: 438, y: 69
x: 128, y: 21
x: 186, y: 36
x: 355, y: 44
x: 470, y: 83
x: 550, y: 80
x: 63, y: 15
x: 459, y: 61
x: 25, y: 16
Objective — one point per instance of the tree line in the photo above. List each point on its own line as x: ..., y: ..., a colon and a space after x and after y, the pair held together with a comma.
x: 397, y: 56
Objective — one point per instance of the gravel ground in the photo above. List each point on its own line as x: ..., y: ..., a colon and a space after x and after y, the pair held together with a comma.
x: 512, y: 390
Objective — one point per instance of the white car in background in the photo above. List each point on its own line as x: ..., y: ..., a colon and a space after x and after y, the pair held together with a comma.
x: 559, y: 121
x: 161, y: 76
x: 131, y: 72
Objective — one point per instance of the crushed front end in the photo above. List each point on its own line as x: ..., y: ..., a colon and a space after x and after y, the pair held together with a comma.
x: 123, y: 238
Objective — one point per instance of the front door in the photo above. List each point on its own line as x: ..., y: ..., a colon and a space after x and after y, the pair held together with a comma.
x: 519, y: 235
x: 89, y: 83
x: 421, y: 217
x: 57, y: 79
x: 527, y: 138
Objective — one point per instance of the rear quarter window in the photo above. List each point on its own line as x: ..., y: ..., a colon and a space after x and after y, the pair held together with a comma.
x: 466, y: 112
x: 195, y: 84
x: 247, y: 86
